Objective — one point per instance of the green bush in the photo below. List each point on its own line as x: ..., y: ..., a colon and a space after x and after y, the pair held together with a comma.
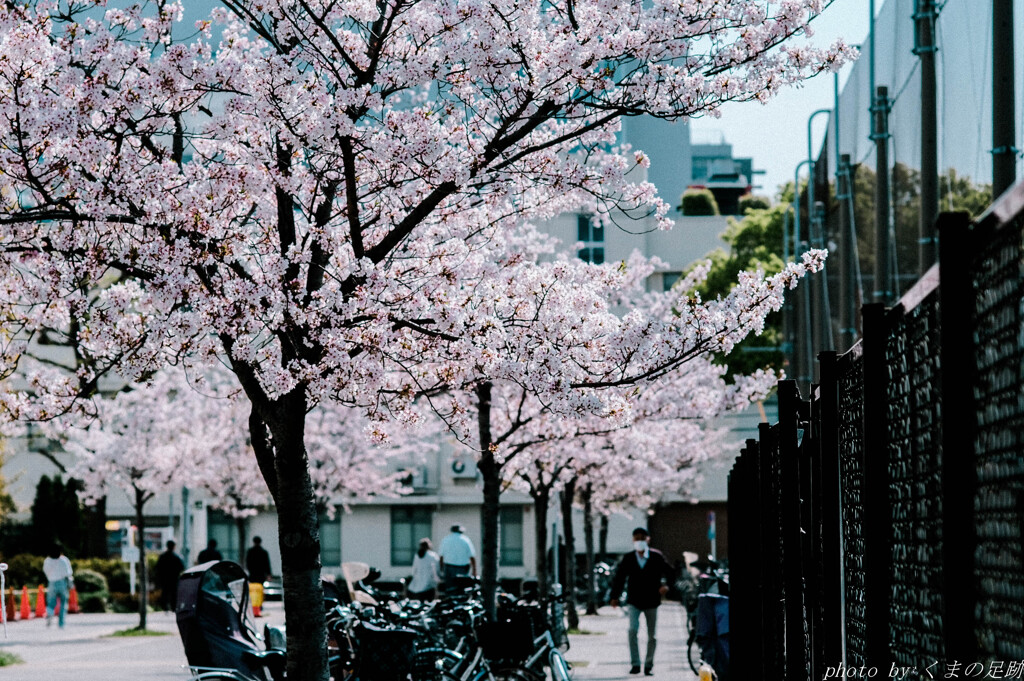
x: 94, y: 602
x: 121, y: 601
x: 698, y: 202
x: 115, y: 572
x: 25, y: 569
x: 90, y: 582
x: 753, y: 202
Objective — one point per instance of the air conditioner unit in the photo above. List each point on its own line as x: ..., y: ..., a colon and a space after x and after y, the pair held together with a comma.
x: 419, y: 478
x: 415, y: 478
x: 463, y: 466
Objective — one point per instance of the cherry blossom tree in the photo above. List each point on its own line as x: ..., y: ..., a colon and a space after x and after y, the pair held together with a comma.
x: 133, y: 445
x: 300, y: 185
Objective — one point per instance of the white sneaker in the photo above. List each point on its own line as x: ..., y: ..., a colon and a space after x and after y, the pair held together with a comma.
x: 49, y: 620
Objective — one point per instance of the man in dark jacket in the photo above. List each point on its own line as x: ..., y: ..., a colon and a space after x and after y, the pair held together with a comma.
x: 168, y: 567
x: 645, y: 574
x: 257, y: 562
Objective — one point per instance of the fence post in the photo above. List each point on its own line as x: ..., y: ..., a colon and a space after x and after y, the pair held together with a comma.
x: 877, y: 529
x: 829, y: 495
x: 772, y: 593
x: 792, y: 532
x: 958, y: 473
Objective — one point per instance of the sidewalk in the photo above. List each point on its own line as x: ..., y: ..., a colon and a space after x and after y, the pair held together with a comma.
x: 84, y: 651
x: 604, y: 654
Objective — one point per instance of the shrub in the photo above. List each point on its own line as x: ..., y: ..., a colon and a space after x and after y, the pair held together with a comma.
x: 25, y: 569
x: 698, y: 202
x: 90, y: 582
x: 115, y: 572
x: 123, y: 602
x: 753, y: 202
x: 93, y: 602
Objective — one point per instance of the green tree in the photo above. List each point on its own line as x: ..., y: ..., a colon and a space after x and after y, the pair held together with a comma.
x: 57, y: 515
x: 755, y: 242
x: 695, y: 202
x: 956, y: 193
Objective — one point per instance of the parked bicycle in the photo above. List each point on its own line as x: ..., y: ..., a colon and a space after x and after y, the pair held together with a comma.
x: 373, y: 635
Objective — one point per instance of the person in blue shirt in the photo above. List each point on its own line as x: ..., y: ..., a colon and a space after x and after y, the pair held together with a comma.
x: 645, y: 574
x: 458, y: 557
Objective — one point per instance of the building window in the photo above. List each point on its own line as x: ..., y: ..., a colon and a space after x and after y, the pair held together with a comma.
x: 670, y: 278
x: 409, y: 524
x: 510, y: 535
x: 330, y: 538
x: 591, y: 235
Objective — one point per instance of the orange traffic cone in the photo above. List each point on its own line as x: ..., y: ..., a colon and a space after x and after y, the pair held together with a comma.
x: 41, y: 601
x: 25, y: 612
x: 73, y: 601
x: 11, y: 610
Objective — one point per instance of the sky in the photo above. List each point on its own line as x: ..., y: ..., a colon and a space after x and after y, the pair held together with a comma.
x: 744, y: 125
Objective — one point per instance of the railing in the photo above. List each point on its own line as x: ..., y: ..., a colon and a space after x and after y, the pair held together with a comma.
x: 880, y: 523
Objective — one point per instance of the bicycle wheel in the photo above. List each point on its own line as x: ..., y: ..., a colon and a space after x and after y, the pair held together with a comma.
x: 516, y: 674
x: 559, y: 667
x: 693, y: 655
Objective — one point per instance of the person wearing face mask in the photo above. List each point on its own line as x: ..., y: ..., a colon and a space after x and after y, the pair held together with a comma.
x: 645, y: 574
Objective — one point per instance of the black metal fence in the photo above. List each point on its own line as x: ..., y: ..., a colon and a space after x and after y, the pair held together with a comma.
x: 879, y: 525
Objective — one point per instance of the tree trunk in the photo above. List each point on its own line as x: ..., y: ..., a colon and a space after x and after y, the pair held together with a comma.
x: 602, y: 537
x: 568, y: 493
x: 240, y: 525
x: 298, y: 534
x: 540, y: 518
x: 588, y: 540
x: 140, y: 524
x: 491, y: 474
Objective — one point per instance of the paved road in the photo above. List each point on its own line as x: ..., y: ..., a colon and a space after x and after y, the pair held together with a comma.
x: 83, y: 650
x: 606, y: 651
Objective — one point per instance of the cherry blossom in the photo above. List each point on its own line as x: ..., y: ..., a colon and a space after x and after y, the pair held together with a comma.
x: 309, y: 189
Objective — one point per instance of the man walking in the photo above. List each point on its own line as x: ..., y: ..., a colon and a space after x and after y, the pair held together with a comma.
x: 169, y: 567
x: 458, y: 557
x: 209, y: 553
x: 645, y: 574
x: 257, y: 562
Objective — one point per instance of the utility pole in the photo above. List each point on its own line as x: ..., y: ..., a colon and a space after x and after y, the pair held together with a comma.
x: 847, y: 263
x: 1004, y: 150
x: 883, y: 284
x: 924, y: 48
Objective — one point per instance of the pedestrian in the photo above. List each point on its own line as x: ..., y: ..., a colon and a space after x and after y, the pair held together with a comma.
x: 426, y: 565
x: 645, y: 574
x: 169, y: 567
x: 57, y: 569
x: 209, y: 553
x: 458, y: 557
x: 257, y: 562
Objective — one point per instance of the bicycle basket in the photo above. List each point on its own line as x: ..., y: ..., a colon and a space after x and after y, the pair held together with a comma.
x: 384, y: 654
x: 508, y: 639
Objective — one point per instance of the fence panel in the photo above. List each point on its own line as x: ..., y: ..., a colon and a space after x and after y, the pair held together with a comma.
x: 888, y: 512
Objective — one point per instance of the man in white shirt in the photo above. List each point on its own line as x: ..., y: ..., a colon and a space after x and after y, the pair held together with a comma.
x: 458, y: 557
x: 57, y: 569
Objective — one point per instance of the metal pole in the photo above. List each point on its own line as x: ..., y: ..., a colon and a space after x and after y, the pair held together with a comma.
x: 806, y: 356
x: 883, y: 284
x: 847, y: 264
x: 1004, y: 150
x: 554, y: 553
x: 186, y: 526
x: 788, y: 323
x: 824, y: 306
x: 810, y: 157
x: 924, y: 17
